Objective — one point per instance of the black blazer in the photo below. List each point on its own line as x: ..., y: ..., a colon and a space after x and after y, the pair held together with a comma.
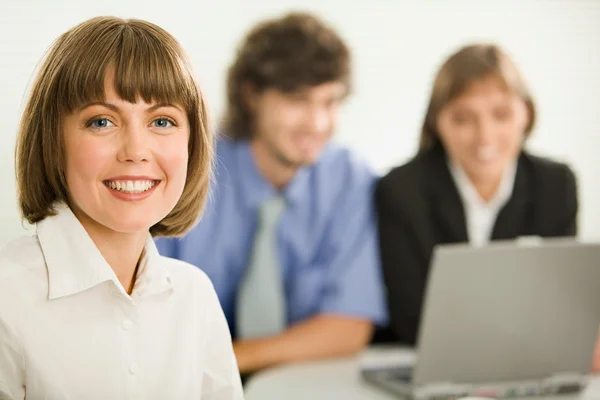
x: 419, y: 206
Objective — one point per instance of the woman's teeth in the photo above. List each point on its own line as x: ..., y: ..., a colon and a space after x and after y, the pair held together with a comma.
x: 130, y: 186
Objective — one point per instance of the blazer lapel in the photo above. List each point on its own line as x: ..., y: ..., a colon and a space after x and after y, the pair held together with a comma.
x: 447, y: 208
x: 514, y: 219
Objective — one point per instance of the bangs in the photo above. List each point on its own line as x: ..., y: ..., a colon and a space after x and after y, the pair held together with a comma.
x: 472, y: 63
x: 460, y: 73
x: 461, y: 85
x: 146, y: 64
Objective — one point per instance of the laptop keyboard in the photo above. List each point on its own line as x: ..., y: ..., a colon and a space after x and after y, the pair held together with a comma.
x: 398, y: 374
x: 399, y: 379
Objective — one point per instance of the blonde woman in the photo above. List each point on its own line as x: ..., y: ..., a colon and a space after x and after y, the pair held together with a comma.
x: 472, y: 181
x: 113, y: 149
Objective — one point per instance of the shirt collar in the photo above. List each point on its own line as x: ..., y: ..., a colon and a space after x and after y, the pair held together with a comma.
x: 470, y: 195
x: 75, y: 264
x: 256, y: 189
x: 153, y: 276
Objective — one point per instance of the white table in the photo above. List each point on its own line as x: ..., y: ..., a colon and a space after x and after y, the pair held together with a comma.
x: 339, y: 379
x: 322, y: 380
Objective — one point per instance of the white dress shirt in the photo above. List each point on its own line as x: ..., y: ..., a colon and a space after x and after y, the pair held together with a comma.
x: 68, y: 329
x: 481, y: 215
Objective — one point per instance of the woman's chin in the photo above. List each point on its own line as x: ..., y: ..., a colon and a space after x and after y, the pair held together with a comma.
x: 486, y: 170
x: 132, y: 226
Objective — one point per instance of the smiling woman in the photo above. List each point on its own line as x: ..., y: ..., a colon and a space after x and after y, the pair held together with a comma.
x: 113, y: 150
x: 473, y: 180
x: 119, y: 153
x: 92, y: 72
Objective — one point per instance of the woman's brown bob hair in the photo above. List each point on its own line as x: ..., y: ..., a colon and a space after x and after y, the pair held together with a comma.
x: 149, y: 64
x: 469, y: 64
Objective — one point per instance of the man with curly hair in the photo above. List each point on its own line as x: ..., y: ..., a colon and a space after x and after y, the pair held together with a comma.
x: 289, y: 238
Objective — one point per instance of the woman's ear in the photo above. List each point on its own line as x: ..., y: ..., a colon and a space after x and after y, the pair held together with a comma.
x: 530, y: 116
x: 250, y: 96
x: 438, y: 122
x: 530, y: 119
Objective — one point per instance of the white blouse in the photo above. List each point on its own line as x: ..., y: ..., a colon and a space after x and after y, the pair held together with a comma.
x: 68, y: 329
x: 481, y: 215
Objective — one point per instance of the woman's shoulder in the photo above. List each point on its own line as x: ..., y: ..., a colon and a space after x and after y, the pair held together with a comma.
x: 182, y: 272
x: 23, y: 273
x: 405, y: 173
x: 411, y: 172
x: 20, y: 255
x: 192, y: 284
x: 547, y: 167
x: 550, y: 179
x: 407, y: 182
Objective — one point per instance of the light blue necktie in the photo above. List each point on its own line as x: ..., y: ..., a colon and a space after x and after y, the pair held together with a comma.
x: 261, y: 305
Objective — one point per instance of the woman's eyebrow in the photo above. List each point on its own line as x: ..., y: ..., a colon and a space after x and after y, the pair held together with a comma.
x: 160, y: 105
x: 101, y: 103
x: 117, y: 109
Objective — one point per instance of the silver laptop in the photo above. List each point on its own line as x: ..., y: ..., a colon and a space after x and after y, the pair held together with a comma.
x: 508, y: 320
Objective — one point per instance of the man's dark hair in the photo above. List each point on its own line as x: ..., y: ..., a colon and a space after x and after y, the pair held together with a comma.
x: 288, y: 53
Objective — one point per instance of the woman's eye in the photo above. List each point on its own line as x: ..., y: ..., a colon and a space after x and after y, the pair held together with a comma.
x: 460, y: 119
x: 502, y: 114
x: 100, y: 123
x: 162, y: 123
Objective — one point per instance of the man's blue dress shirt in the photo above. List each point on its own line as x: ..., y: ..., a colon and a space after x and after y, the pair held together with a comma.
x: 327, y: 237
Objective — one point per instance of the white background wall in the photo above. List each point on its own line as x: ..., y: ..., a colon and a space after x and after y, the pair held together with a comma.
x: 397, y: 45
